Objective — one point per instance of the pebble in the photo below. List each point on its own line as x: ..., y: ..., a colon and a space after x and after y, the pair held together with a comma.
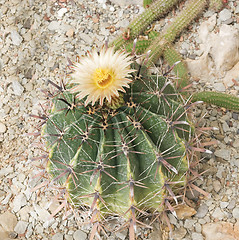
x: 219, y: 87
x: 3, y: 128
x: 19, y: 201
x: 179, y: 233
x: 18, y: 89
x: 61, y: 12
x: 224, y: 204
x: 21, y: 227
x: 8, y: 221
x: 231, y: 204
x: 16, y: 38
x: 225, y: 15
x: 79, y: 235
x: 43, y: 214
x: 54, y: 25
x: 216, y: 185
x: 202, y: 211
x: 235, y: 212
x: 220, y: 231
x: 218, y: 214
x: 197, y: 236
x: 184, y: 211
x: 223, y: 153
x: 58, y: 236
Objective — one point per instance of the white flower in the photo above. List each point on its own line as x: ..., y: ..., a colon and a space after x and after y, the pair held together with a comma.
x: 101, y: 75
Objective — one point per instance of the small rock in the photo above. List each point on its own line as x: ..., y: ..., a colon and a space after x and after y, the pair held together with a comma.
x: 235, y: 212
x: 61, y: 12
x: 189, y: 223
x: 79, y: 235
x: 219, y: 231
x: 224, y: 204
x: 236, y: 143
x: 202, y: 211
x: 216, y: 185
x: 232, y: 204
x: 179, y: 233
x: 197, y: 236
x: 16, y: 38
x: 70, y: 32
x: 86, y: 38
x: 219, y: 87
x: 54, y: 25
x: 218, y: 214
x: 12, y: 235
x: 235, y: 115
x: 43, y: 214
x: 68, y: 237
x: 21, y: 227
x: 121, y: 235
x: 19, y: 201
x: 3, y: 128
x: 225, y: 14
x: 223, y: 153
x: 58, y: 236
x: 8, y: 221
x: 184, y: 211
x: 17, y: 88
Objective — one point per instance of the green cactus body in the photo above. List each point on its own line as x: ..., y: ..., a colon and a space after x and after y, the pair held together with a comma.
x: 116, y: 161
x: 220, y: 99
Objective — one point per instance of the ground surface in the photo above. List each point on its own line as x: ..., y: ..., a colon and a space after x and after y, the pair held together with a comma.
x: 36, y: 37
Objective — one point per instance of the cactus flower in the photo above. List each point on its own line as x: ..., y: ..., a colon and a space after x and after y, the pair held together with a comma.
x: 101, y: 75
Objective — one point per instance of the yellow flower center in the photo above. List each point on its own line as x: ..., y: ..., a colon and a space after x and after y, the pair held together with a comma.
x: 103, y: 77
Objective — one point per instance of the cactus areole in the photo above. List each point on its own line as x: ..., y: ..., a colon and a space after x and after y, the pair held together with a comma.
x: 123, y: 157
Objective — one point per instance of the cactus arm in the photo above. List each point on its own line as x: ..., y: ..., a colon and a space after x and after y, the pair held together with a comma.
x: 219, y: 99
x: 215, y: 4
x: 191, y: 11
x: 139, y: 24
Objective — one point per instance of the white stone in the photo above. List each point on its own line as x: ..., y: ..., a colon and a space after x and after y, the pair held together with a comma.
x: 43, y: 214
x: 202, y: 211
x: 58, y: 236
x: 3, y: 128
x: 225, y: 48
x: 223, y: 153
x: 235, y: 212
x: 18, y: 202
x: 220, y: 231
x: 54, y: 25
x: 225, y: 14
x: 197, y: 236
x: 206, y: 27
x: 79, y: 235
x: 224, y: 204
x: 218, y: 214
x: 18, y: 89
x: 21, y: 227
x: 16, y: 38
x: 61, y: 12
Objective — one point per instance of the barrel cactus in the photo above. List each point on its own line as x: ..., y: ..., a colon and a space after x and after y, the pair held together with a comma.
x: 120, y: 139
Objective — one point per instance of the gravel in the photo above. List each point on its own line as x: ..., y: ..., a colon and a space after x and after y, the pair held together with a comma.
x: 36, y: 39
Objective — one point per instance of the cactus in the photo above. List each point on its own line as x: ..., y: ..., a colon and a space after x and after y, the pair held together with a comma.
x: 124, y: 158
